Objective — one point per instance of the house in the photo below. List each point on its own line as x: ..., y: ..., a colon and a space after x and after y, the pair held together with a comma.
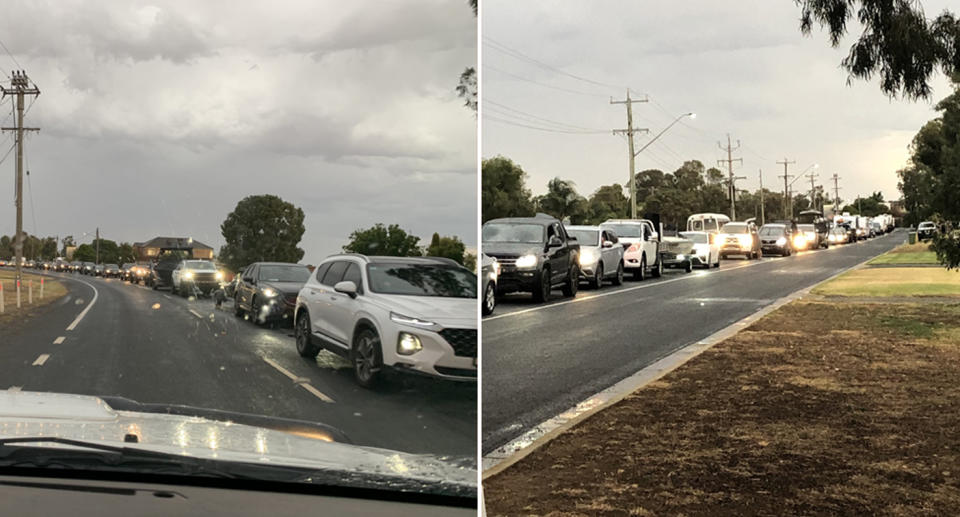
x: 146, y: 251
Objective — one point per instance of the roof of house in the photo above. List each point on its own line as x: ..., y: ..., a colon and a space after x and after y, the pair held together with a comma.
x: 173, y: 242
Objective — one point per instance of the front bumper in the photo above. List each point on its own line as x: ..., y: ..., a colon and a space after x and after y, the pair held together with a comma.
x: 513, y: 280
x: 679, y: 260
x: 448, y: 354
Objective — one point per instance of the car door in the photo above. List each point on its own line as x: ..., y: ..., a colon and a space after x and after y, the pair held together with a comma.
x: 248, y: 286
x: 341, y: 315
x: 649, y: 244
x: 611, y: 255
x: 322, y: 310
x: 557, y: 257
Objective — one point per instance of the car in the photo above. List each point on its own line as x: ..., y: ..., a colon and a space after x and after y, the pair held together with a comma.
x: 838, y: 235
x: 195, y: 277
x: 705, y: 246
x: 267, y: 291
x: 126, y: 271
x: 926, y: 230
x: 414, y: 315
x: 777, y: 238
x: 535, y: 254
x: 710, y: 223
x: 601, y: 255
x: 740, y: 238
x: 641, y: 246
x: 814, y: 238
x: 98, y: 270
x: 111, y: 271
x: 489, y: 272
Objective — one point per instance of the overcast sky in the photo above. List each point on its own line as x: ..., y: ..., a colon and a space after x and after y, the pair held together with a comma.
x: 157, y: 118
x: 743, y: 67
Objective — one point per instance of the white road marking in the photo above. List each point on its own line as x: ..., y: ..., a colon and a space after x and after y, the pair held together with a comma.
x: 299, y: 380
x: 59, y: 340
x: 195, y: 313
x: 167, y: 296
x: 15, y: 388
x: 87, y: 309
x: 42, y: 359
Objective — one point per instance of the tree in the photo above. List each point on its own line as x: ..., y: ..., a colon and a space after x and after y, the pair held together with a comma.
x: 563, y: 201
x: 48, y: 248
x: 383, y: 240
x: 897, y: 41
x: 467, y: 88
x: 67, y: 242
x: 503, y: 192
x: 261, y: 228
x: 470, y: 261
x: 84, y: 253
x: 6, y: 247
x: 608, y: 202
x: 125, y: 254
x: 448, y: 247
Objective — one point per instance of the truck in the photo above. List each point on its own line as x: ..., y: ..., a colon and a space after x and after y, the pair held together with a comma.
x: 641, y: 246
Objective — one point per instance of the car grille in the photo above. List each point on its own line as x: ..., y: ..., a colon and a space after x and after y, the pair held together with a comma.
x: 463, y: 341
x: 504, y: 260
x: 204, y: 277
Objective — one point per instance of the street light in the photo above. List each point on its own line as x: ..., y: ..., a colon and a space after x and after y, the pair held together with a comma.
x: 633, y: 189
x: 789, y: 193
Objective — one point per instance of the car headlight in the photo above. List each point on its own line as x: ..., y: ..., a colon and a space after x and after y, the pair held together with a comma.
x: 414, y: 322
x: 587, y: 256
x: 269, y: 292
x: 745, y: 240
x: 832, y: 238
x: 188, y: 275
x: 781, y: 241
x: 527, y: 261
x: 799, y: 241
x: 408, y: 344
x: 219, y: 275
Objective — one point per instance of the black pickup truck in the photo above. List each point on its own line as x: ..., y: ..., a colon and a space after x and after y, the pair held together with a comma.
x: 535, y: 255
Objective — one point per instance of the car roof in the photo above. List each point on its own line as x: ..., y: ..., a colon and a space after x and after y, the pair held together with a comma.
x: 543, y: 221
x: 382, y: 259
x: 625, y: 221
x: 582, y: 227
x: 277, y: 264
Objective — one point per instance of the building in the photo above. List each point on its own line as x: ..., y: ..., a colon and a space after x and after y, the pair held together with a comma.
x: 146, y: 251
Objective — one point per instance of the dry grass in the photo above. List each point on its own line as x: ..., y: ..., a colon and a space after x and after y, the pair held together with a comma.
x: 897, y: 281
x: 918, y: 253
x: 818, y: 408
x: 52, y: 291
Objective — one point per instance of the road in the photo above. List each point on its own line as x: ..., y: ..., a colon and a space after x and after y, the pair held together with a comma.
x: 540, y: 360
x: 153, y: 347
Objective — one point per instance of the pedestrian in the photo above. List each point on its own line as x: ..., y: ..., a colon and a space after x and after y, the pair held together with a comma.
x: 219, y: 296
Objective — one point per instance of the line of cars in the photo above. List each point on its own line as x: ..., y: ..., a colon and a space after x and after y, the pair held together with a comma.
x: 540, y: 253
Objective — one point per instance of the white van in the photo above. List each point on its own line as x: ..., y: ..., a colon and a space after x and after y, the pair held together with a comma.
x: 710, y: 223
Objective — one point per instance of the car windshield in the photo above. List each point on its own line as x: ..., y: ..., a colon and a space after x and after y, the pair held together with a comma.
x: 696, y: 237
x: 585, y: 237
x: 514, y: 232
x: 734, y: 228
x: 773, y: 229
x: 630, y: 231
x: 199, y: 265
x: 280, y: 273
x: 926, y: 225
x: 422, y: 280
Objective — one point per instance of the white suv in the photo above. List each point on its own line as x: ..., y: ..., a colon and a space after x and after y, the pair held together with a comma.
x: 408, y: 314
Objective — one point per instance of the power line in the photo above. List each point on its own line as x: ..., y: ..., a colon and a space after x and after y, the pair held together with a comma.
x: 11, y: 57
x: 500, y: 47
x: 549, y: 130
x: 521, y: 78
x: 508, y: 108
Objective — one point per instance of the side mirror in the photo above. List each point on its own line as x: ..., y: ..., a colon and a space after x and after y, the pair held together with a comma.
x: 607, y: 244
x: 554, y: 242
x: 653, y: 236
x: 346, y: 287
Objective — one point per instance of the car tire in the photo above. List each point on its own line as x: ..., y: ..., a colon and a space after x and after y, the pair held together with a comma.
x: 237, y: 309
x: 657, y: 269
x: 542, y: 287
x: 301, y: 331
x: 717, y: 264
x: 641, y: 273
x: 689, y: 267
x: 572, y: 284
x: 597, y: 281
x: 489, y: 299
x: 618, y: 280
x: 367, y: 358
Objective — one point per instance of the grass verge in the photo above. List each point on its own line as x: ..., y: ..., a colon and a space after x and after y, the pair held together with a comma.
x: 900, y: 281
x: 53, y: 290
x: 918, y: 253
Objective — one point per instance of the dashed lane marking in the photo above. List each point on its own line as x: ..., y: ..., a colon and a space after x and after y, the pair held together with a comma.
x: 195, y: 313
x: 42, y: 359
x: 59, y: 340
x: 302, y: 381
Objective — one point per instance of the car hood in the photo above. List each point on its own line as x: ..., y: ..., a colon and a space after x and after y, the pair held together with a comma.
x: 512, y: 248
x: 92, y: 419
x: 448, y: 312
x: 284, y: 287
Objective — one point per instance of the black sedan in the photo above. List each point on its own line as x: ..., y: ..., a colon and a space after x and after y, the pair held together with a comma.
x: 267, y: 291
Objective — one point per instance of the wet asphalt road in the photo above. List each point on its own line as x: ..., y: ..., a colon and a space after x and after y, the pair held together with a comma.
x: 540, y: 360
x: 153, y: 347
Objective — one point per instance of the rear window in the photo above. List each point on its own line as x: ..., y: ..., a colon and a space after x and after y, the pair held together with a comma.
x: 630, y: 231
x: 734, y: 228
x: 586, y: 237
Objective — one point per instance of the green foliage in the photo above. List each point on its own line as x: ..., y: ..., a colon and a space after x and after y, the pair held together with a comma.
x: 470, y: 261
x: 84, y: 253
x: 384, y: 240
x: 870, y: 206
x: 467, y: 88
x: 261, y: 228
x: 608, y: 202
x: 448, y: 247
x: 503, y: 192
x: 562, y: 201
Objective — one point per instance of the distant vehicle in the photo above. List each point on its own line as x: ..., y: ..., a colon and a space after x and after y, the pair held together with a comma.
x: 195, y: 277
x: 98, y: 270
x: 814, y: 223
x: 926, y: 230
x: 86, y: 268
x: 706, y: 246
x: 405, y: 314
x: 601, y: 255
x: 710, y: 223
x: 641, y: 244
x: 777, y: 238
x: 31, y: 264
x: 535, y: 255
x: 111, y: 271
x: 838, y: 235
x: 489, y: 272
x: 740, y: 238
x: 267, y: 291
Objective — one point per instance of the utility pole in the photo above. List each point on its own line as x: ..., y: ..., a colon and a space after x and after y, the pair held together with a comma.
x: 630, y: 131
x: 731, y: 181
x: 786, y: 192
x: 836, y: 192
x: 813, y: 190
x: 19, y: 87
x: 762, y: 222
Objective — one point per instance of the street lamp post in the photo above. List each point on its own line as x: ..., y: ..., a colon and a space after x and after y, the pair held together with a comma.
x: 633, y: 189
x: 788, y: 193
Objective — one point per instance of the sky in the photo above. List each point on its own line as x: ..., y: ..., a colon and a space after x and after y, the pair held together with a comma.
x: 157, y: 118
x: 743, y: 67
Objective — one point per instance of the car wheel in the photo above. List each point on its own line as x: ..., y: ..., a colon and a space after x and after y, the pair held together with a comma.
x: 305, y: 347
x: 717, y: 264
x: 689, y: 267
x: 489, y: 299
x: 184, y: 290
x: 237, y: 309
x: 542, y: 287
x: 618, y: 280
x: 597, y: 281
x: 641, y: 274
x: 366, y: 357
x: 657, y: 269
x: 572, y: 285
